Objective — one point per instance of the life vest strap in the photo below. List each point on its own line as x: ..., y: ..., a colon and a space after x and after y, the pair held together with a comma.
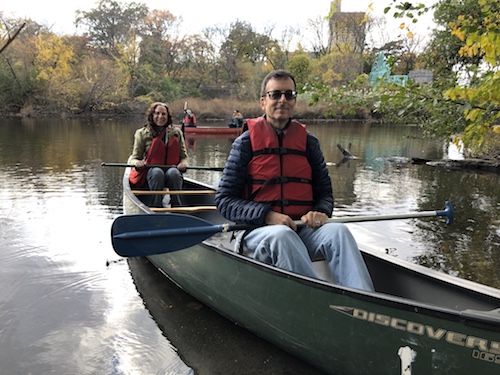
x: 278, y: 151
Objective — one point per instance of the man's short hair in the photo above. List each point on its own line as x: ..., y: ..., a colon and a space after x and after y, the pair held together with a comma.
x: 276, y: 74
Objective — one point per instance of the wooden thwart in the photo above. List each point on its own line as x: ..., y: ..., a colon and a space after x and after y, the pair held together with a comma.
x: 173, y: 192
x: 184, y: 209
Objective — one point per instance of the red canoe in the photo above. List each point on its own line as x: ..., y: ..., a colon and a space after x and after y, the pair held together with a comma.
x: 211, y: 130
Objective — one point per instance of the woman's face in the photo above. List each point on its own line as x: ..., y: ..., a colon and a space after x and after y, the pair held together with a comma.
x: 160, y: 115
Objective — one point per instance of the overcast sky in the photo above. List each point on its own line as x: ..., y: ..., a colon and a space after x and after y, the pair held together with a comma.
x: 197, y: 14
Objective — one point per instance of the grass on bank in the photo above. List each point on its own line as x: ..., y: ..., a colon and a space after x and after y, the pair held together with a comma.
x: 222, y: 109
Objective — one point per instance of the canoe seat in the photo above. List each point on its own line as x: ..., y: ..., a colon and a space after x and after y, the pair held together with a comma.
x: 189, y: 209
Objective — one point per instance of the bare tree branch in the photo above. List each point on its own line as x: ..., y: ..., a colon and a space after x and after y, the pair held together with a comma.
x: 10, y: 39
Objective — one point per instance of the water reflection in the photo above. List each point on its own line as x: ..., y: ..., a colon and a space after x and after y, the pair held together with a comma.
x: 210, y: 343
x: 63, y: 310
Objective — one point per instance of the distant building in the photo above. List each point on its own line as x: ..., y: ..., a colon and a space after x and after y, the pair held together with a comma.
x: 421, y: 76
x: 347, y: 29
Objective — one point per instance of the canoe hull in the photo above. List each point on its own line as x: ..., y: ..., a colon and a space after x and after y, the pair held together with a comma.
x: 337, y: 329
x: 344, y: 332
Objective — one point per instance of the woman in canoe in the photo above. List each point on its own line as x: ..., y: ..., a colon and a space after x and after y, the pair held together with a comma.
x: 158, y: 143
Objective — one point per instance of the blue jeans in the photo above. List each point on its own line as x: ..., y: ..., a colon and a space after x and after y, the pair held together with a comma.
x: 279, y: 245
x: 159, y: 180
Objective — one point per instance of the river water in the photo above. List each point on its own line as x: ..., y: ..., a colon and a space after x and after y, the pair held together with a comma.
x: 70, y: 305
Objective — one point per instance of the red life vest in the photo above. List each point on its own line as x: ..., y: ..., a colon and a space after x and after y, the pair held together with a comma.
x: 159, y: 154
x: 279, y: 172
x: 190, y: 120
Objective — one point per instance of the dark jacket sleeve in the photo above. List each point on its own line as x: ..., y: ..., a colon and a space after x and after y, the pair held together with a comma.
x: 228, y: 197
x: 322, y: 184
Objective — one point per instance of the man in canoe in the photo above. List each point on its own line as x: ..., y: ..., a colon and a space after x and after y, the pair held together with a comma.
x: 237, y: 120
x: 158, y: 143
x: 275, y: 174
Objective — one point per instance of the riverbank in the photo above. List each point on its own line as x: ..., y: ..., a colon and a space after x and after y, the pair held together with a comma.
x: 221, y: 110
x: 206, y: 110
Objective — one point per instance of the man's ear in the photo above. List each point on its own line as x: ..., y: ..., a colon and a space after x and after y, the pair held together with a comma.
x: 263, y: 103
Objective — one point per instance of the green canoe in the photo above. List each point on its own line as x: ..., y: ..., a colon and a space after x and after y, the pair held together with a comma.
x: 419, y: 321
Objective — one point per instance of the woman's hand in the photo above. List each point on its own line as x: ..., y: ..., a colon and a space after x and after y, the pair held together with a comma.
x: 182, y: 167
x: 139, y: 164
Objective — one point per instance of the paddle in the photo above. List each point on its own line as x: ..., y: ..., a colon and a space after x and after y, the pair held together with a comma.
x: 184, y: 114
x: 216, y: 169
x: 144, y: 235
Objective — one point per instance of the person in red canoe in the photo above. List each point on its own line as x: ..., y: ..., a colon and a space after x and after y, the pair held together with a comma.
x: 189, y: 119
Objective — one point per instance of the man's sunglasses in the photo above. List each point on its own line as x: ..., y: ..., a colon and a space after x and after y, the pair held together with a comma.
x: 276, y: 94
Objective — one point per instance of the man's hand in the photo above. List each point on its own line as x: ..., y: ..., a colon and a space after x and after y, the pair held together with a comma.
x: 275, y: 218
x: 314, y: 219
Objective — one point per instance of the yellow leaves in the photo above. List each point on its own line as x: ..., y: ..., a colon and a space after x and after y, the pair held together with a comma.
x: 366, y: 15
x: 53, y: 57
x: 469, y: 50
x: 450, y: 94
x: 459, y: 33
x: 485, y: 45
x: 473, y: 114
x: 479, y: 105
x: 403, y: 26
x: 480, y: 35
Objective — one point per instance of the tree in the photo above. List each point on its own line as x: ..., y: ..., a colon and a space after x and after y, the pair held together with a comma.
x: 197, y: 59
x: 442, y: 53
x: 112, y: 23
x: 481, y: 97
x: 161, y: 57
x: 300, y: 66
x: 318, y: 28
x: 54, y: 67
x: 10, y: 36
x: 242, y: 45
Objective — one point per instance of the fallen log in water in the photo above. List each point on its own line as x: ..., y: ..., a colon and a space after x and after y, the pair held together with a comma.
x: 475, y: 164
x: 470, y: 164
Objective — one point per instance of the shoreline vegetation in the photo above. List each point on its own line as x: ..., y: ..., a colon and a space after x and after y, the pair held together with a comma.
x: 204, y: 109
x: 217, y: 110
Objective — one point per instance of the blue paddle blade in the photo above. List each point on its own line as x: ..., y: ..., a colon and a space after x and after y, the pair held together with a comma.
x: 144, y: 235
